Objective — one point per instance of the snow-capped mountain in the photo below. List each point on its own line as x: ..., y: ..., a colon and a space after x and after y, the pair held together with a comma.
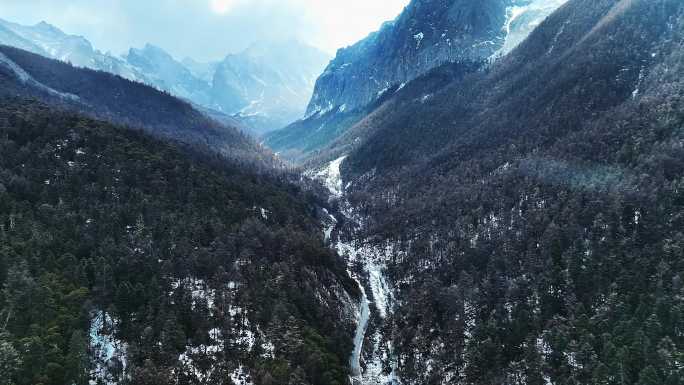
x: 267, y: 86
x: 512, y: 216
x: 426, y: 35
x: 204, y: 71
x: 49, y: 41
x: 164, y: 72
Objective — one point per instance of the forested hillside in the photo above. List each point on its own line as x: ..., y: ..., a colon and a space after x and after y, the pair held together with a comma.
x: 534, y: 209
x: 517, y: 221
x: 124, y: 259
x: 113, y: 98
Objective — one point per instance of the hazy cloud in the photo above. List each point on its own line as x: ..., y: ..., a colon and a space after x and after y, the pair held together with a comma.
x: 207, y: 29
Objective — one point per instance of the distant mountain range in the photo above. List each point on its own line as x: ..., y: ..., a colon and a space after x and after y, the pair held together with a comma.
x: 266, y: 87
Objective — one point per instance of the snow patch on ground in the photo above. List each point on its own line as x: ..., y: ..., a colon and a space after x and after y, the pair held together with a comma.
x: 240, y: 376
x: 419, y: 39
x: 329, y: 223
x: 330, y: 176
x: 372, y: 259
x: 192, y: 353
x: 193, y: 361
x: 199, y: 291
x: 108, y: 352
x: 320, y: 110
x: 636, y: 91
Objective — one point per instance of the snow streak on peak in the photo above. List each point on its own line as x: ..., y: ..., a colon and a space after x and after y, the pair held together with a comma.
x: 26, y: 78
x: 521, y: 20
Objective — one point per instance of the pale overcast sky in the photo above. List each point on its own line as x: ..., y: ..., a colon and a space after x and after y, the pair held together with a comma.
x: 207, y: 29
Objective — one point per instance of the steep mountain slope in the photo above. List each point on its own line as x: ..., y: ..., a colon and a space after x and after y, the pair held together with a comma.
x: 124, y: 259
x: 426, y: 35
x: 530, y: 215
x: 113, y: 98
x: 308, y: 135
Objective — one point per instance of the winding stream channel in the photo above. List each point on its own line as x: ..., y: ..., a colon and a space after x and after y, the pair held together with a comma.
x: 360, y: 335
x: 370, y: 258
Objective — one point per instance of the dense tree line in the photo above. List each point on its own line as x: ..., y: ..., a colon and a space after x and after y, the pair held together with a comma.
x: 177, y: 247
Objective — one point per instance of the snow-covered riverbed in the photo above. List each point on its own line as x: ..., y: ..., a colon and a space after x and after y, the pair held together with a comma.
x: 360, y: 335
x: 371, y: 258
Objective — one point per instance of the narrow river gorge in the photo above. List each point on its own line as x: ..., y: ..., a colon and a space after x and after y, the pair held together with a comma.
x: 374, y: 364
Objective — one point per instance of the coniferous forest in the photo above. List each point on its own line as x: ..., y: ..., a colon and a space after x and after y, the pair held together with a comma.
x: 97, y: 219
x: 480, y: 193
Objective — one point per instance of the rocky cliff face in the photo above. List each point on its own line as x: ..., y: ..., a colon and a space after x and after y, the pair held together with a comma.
x: 426, y: 35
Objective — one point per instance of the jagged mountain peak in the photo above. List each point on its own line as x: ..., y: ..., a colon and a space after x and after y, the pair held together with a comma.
x: 271, y: 81
x: 286, y: 52
x: 152, y: 49
x: 153, y: 55
x: 47, y: 27
x: 49, y: 34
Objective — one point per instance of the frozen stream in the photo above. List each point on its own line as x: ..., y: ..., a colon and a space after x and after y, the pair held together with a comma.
x: 360, y: 335
x: 371, y: 259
